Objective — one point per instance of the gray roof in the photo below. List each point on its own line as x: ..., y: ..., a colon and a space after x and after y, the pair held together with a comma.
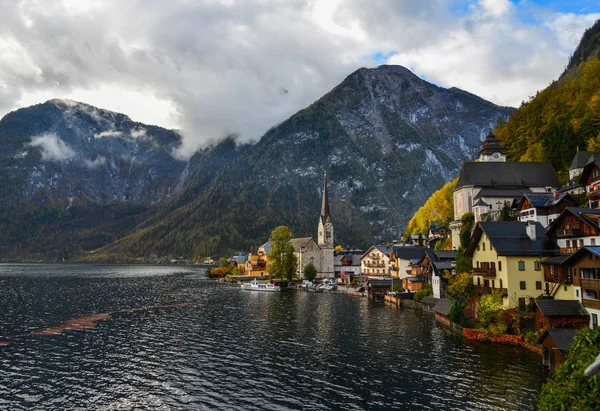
x: 510, y: 238
x: 480, y: 203
x: 267, y: 246
x: 409, y: 253
x: 545, y: 199
x: 557, y: 260
x: 506, y: 174
x: 415, y: 279
x: 581, y: 159
x: 354, y: 262
x: 430, y: 300
x: 382, y: 283
x: 561, y: 308
x: 563, y: 337
x: 511, y: 193
x: 446, y: 254
x: 443, y: 306
x: 444, y: 265
x: 299, y: 243
x: 587, y: 215
x: 492, y: 144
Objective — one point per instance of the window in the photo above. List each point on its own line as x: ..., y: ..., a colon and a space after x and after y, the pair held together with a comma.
x: 522, y: 285
x: 493, y: 283
x: 577, y: 293
x: 477, y: 247
x: 521, y: 265
x: 568, y: 243
x: 551, y: 270
x: 538, y: 285
x: 593, y: 241
x: 483, y: 245
x: 581, y: 243
x: 536, y: 266
x: 594, y: 321
x: 499, y: 265
x: 486, y: 283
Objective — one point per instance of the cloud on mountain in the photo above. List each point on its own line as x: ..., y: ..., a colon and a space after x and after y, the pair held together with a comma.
x: 52, y: 147
x: 219, y: 67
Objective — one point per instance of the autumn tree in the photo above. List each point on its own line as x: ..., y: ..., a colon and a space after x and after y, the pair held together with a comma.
x: 282, y: 260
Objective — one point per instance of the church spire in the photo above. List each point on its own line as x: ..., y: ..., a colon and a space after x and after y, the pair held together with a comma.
x: 325, y: 205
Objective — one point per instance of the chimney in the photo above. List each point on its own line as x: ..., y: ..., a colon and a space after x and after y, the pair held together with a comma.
x: 530, y: 229
x: 555, y: 194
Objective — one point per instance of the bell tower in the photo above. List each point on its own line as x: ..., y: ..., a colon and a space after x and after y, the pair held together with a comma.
x: 325, y: 239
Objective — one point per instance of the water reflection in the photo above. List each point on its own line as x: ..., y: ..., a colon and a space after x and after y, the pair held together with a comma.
x: 174, y: 340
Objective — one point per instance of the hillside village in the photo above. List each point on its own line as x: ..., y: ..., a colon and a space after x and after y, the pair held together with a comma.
x: 533, y: 253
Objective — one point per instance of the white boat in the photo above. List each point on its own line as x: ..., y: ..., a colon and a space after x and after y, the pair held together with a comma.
x: 256, y: 285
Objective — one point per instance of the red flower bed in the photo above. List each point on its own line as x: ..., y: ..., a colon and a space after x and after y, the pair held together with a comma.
x: 501, y: 339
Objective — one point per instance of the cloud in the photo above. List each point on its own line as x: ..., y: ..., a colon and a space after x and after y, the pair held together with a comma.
x: 52, y: 147
x: 109, y: 133
x: 217, y: 68
x: 138, y: 132
x: 99, y: 161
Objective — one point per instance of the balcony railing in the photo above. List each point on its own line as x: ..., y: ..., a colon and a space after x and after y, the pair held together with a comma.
x: 573, y: 232
x: 590, y: 284
x: 568, y: 250
x: 482, y: 289
x: 484, y: 272
x: 591, y: 303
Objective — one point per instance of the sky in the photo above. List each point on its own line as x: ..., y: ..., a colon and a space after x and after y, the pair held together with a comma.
x: 212, y: 68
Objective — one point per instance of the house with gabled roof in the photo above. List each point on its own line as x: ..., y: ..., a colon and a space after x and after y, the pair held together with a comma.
x: 555, y: 343
x: 497, y: 183
x: 507, y: 258
x: 375, y: 262
x: 590, y: 179
x: 543, y: 207
x: 403, y: 259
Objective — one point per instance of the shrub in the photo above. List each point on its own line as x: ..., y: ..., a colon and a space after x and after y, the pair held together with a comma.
x: 425, y: 291
x: 497, y: 328
x: 489, y: 308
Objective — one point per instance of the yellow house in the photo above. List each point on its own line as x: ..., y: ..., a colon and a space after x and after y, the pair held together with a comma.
x: 507, y: 257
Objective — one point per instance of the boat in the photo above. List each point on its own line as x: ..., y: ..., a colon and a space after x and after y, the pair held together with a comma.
x: 256, y: 285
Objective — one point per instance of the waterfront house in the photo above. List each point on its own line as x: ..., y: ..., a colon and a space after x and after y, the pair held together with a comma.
x: 347, y: 264
x: 379, y: 288
x: 507, y: 257
x: 442, y: 311
x: 551, y: 313
x: 555, y: 343
x: 429, y: 303
x: 442, y: 261
x: 256, y: 265
x: 375, y: 262
x: 404, y: 257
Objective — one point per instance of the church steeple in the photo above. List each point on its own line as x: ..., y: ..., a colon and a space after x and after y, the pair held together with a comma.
x: 492, y: 149
x: 325, y: 239
x: 325, y: 203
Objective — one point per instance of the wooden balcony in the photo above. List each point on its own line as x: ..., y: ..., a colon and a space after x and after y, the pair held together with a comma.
x: 484, y: 272
x: 568, y: 250
x: 482, y: 289
x: 590, y: 284
x: 574, y: 232
x: 591, y: 303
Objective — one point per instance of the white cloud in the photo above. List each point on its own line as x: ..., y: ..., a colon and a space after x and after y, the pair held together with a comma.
x: 52, y: 147
x: 138, y: 132
x: 109, y: 133
x: 228, y: 78
x: 99, y: 161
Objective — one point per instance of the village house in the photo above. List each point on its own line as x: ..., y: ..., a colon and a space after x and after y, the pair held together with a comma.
x: 403, y: 259
x: 441, y: 261
x: 492, y: 183
x: 347, y: 265
x: 555, y: 343
x: 256, y: 265
x: 375, y: 262
x: 590, y: 178
x: 575, y: 185
x: 507, y: 257
x: 543, y: 207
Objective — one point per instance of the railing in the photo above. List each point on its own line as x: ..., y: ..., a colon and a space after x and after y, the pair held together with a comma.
x: 574, y: 232
x: 591, y: 303
x: 568, y: 250
x: 594, y: 194
x: 482, y: 289
x: 590, y: 283
x: 484, y: 272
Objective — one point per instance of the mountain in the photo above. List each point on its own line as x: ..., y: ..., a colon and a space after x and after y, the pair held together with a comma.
x: 63, y: 149
x: 386, y: 138
x: 563, y: 117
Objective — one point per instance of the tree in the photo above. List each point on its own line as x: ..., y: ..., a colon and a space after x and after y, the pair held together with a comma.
x: 425, y: 291
x: 568, y: 388
x: 310, y: 272
x: 282, y: 260
x: 461, y: 287
x: 338, y: 247
x: 489, y: 308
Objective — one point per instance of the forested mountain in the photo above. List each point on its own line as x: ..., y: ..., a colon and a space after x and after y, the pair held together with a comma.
x: 385, y: 137
x: 78, y: 177
x: 563, y: 117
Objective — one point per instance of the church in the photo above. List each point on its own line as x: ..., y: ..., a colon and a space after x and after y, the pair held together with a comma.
x: 307, y: 251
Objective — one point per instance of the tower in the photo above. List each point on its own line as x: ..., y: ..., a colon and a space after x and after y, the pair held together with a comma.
x: 492, y: 149
x: 325, y: 239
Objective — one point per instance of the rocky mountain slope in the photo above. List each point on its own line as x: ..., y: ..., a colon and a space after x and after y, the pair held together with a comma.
x: 386, y: 138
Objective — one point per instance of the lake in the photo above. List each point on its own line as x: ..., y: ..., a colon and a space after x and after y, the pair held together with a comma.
x: 163, y: 337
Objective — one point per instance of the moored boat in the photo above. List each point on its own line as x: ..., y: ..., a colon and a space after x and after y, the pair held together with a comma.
x: 256, y: 285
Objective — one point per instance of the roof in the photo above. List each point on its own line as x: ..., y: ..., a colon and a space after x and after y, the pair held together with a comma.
x: 561, y: 308
x: 539, y: 200
x: 581, y: 159
x: 408, y: 253
x: 337, y: 260
x: 587, y: 215
x: 267, y: 246
x: 480, y: 203
x: 510, y: 238
x: 240, y: 258
x: 562, y: 337
x: 382, y: 248
x: 501, y: 174
x: 300, y: 243
x: 382, y: 283
x: 444, y: 265
x: 503, y: 192
x: 491, y: 144
x: 561, y: 259
x: 415, y: 279
x: 430, y: 300
x: 325, y: 203
x: 443, y: 306
x: 446, y: 254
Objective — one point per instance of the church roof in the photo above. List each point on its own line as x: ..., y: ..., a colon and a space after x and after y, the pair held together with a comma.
x: 507, y: 175
x: 300, y: 243
x: 582, y: 158
x: 492, y: 144
x: 325, y: 204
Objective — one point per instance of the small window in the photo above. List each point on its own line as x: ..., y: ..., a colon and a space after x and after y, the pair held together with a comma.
x: 595, y: 321
x: 493, y: 283
x: 568, y: 243
x: 581, y: 243
x: 483, y: 245
x: 577, y: 293
x: 522, y: 285
x: 593, y: 241
x: 477, y: 247
x: 521, y: 265
x: 538, y: 285
x: 486, y: 283
x: 536, y: 265
x: 499, y: 265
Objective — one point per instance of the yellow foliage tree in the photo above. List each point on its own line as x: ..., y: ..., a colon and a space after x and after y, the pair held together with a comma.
x: 439, y: 207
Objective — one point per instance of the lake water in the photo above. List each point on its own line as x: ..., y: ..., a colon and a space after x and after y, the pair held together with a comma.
x: 123, y: 337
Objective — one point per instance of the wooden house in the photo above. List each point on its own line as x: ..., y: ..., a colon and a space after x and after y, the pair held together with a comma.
x: 559, y: 314
x: 543, y: 207
x: 442, y: 311
x: 555, y: 343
